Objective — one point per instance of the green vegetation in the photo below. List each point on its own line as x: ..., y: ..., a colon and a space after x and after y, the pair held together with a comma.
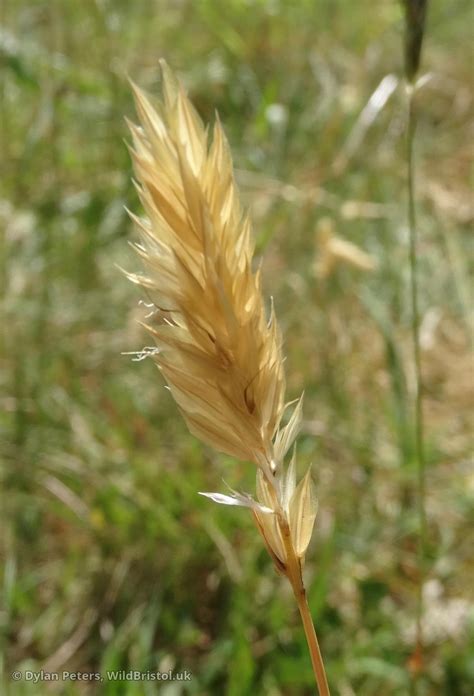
x: 110, y: 558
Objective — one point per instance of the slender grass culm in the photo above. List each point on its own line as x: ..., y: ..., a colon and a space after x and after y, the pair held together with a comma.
x: 415, y: 18
x: 220, y: 356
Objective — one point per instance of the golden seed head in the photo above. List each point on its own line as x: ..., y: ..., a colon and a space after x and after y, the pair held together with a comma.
x: 218, y: 353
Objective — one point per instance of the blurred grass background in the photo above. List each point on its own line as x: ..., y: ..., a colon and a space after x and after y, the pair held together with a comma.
x: 110, y: 558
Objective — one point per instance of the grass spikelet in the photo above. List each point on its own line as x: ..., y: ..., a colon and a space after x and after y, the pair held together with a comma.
x: 220, y: 356
x: 217, y: 350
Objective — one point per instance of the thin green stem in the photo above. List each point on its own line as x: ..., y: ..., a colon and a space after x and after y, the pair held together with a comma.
x: 415, y: 317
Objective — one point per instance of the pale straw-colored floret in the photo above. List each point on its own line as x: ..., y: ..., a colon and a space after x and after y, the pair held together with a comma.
x: 219, y: 354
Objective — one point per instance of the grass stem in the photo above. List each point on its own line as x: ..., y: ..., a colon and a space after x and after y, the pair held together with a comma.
x: 313, y: 645
x: 293, y: 572
x: 418, y: 406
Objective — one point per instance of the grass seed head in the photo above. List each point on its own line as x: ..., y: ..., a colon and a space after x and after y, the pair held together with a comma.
x: 218, y: 352
x: 220, y: 356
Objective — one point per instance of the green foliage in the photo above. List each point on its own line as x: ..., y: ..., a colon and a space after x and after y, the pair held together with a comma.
x: 111, y: 560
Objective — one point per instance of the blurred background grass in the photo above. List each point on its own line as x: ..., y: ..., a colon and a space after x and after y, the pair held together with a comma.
x: 110, y: 558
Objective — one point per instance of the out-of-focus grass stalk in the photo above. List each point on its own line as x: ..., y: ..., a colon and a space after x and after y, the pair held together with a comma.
x: 415, y: 319
x: 415, y: 15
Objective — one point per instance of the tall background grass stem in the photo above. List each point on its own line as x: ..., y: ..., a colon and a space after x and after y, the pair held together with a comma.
x: 418, y: 406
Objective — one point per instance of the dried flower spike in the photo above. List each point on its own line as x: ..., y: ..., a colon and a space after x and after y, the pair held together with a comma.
x: 219, y: 354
